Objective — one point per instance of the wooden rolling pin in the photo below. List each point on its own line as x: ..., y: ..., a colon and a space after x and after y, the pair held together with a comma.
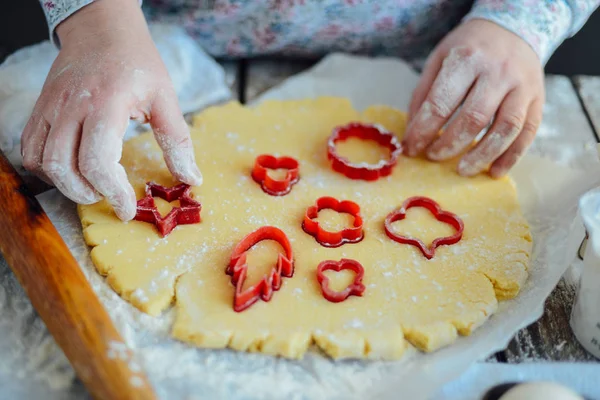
x: 62, y: 295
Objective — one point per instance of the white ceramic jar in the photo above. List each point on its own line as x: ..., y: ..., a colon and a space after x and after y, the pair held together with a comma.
x: 585, y: 317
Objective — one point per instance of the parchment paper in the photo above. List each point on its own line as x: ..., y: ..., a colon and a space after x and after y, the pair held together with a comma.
x: 547, y: 191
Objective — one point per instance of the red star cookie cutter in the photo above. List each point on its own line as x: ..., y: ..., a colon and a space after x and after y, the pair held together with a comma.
x: 237, y: 268
x: 325, y: 238
x: 364, y: 171
x: 275, y: 187
x: 439, y: 214
x: 356, y: 288
x: 188, y: 211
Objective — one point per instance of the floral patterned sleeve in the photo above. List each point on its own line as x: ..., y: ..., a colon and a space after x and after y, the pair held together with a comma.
x: 543, y: 24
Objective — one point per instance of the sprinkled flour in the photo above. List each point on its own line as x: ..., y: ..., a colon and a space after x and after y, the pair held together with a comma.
x: 178, y: 371
x: 31, y: 362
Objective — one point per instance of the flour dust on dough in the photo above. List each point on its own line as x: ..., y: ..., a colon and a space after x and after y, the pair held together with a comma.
x: 408, y: 299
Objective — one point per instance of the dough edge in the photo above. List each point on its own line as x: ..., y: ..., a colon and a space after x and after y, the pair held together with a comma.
x: 348, y: 344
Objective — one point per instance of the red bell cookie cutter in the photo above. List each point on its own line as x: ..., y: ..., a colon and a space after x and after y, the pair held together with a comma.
x: 238, y: 268
x: 275, y: 187
x: 188, y: 211
x: 353, y: 234
x: 364, y: 171
x: 439, y: 214
x: 356, y: 288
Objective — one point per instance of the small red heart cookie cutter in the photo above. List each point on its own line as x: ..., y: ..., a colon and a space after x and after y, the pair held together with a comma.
x: 237, y: 268
x: 325, y: 238
x: 271, y: 186
x: 439, y: 214
x: 356, y: 288
x: 188, y: 211
x: 364, y: 171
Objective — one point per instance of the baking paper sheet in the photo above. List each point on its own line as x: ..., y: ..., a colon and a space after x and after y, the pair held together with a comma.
x: 547, y: 191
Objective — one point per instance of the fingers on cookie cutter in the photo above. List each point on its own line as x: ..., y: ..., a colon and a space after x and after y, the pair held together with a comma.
x: 439, y: 214
x: 271, y: 186
x: 356, y: 288
x: 326, y: 238
x: 187, y: 213
x: 364, y: 171
x: 238, y: 268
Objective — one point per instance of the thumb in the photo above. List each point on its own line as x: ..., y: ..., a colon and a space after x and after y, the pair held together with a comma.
x: 173, y: 136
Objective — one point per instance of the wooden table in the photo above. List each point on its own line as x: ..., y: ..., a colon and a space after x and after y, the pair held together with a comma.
x: 571, y: 118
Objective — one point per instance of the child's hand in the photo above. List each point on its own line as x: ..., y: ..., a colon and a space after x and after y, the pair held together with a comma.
x: 107, y: 72
x: 496, y: 75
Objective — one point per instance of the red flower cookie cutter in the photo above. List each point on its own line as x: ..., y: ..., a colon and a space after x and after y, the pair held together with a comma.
x: 188, y: 211
x: 364, y: 171
x: 439, y: 214
x: 333, y: 239
x: 356, y: 288
x: 238, y: 268
x: 275, y: 187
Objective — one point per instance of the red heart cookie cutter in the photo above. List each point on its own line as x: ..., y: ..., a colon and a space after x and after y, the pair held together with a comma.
x: 333, y: 239
x: 188, y: 211
x: 271, y: 186
x: 439, y: 214
x: 237, y: 268
x: 356, y: 288
x: 364, y: 171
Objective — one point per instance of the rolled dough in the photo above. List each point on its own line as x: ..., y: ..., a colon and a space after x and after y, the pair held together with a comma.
x: 408, y: 299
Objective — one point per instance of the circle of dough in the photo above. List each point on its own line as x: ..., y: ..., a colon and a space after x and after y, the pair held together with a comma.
x: 408, y: 299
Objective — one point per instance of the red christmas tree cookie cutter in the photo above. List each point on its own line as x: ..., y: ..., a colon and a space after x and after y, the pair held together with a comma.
x: 439, y: 214
x: 188, y: 211
x: 364, y: 171
x: 238, y: 268
x: 275, y: 187
x: 356, y: 288
x: 325, y: 238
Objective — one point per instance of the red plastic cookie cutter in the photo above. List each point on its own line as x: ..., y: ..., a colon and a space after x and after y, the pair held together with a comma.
x: 364, y: 171
x: 238, y: 268
x: 188, y: 211
x: 275, y: 187
x: 439, y: 214
x: 353, y: 234
x: 356, y: 288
